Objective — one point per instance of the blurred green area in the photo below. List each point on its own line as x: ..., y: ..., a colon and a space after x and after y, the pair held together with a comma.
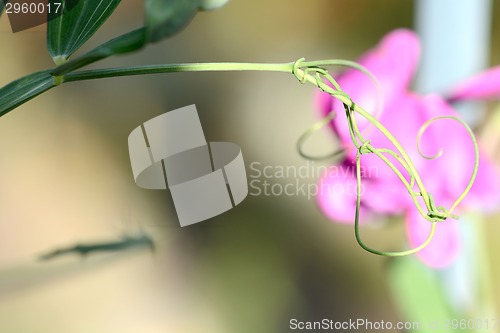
x: 66, y: 179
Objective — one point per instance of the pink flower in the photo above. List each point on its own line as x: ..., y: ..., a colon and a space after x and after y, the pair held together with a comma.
x: 393, y: 62
x: 484, y: 85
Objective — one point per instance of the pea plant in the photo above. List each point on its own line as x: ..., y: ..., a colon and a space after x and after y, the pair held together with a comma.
x: 69, y: 30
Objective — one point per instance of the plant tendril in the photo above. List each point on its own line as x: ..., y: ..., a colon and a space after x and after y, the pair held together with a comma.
x: 421, y: 132
x: 331, y: 115
x: 431, y: 212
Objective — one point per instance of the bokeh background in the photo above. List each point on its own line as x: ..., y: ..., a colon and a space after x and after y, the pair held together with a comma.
x: 65, y: 179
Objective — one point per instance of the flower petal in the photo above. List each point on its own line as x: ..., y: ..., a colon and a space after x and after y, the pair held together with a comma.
x: 337, y: 194
x: 485, y: 192
x: 403, y: 118
x: 445, y: 246
x: 385, y: 197
x: 481, y: 86
x: 392, y: 62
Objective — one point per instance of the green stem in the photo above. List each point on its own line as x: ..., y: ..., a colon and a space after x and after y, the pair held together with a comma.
x: 172, y: 68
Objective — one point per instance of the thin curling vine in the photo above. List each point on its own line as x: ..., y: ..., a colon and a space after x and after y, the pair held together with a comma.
x: 431, y: 213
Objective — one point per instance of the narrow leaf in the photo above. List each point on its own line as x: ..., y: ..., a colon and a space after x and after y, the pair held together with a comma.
x: 128, y: 42
x: 24, y: 89
x: 79, y: 21
x: 164, y: 18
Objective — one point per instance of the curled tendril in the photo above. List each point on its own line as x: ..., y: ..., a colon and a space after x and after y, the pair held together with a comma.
x: 421, y: 132
x: 314, y: 73
x: 319, y: 72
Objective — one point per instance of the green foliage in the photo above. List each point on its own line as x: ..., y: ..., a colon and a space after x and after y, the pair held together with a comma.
x: 140, y: 241
x: 128, y: 42
x: 167, y: 17
x: 164, y: 18
x: 24, y: 89
x: 79, y: 21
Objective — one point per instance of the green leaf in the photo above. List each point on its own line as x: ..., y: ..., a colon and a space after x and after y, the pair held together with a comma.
x: 24, y: 89
x: 79, y: 21
x: 164, y: 18
x: 128, y: 42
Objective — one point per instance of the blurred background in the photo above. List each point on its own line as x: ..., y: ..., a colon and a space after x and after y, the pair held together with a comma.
x: 65, y: 179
